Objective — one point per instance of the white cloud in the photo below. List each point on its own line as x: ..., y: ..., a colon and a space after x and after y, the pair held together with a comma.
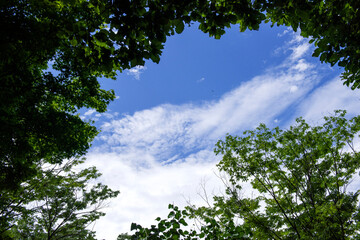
x: 146, y: 192
x: 327, y: 98
x: 301, y: 65
x: 299, y: 51
x: 89, y: 112
x: 96, y: 117
x: 166, y: 129
x: 110, y: 115
x: 293, y: 88
x: 298, y: 46
x: 286, y: 31
x: 136, y: 71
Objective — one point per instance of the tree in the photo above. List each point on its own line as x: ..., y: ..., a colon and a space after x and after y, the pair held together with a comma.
x: 59, y: 203
x: 53, y: 52
x: 301, y: 177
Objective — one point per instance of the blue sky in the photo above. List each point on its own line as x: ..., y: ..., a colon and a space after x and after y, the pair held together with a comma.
x: 157, y: 139
x: 195, y: 68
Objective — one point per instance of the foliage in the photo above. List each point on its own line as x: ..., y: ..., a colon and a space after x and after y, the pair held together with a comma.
x: 59, y: 203
x: 52, y: 52
x: 124, y: 236
x: 172, y: 228
x: 300, y: 176
x: 166, y: 228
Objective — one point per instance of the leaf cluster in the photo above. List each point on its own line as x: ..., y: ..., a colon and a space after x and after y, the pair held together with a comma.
x: 170, y: 228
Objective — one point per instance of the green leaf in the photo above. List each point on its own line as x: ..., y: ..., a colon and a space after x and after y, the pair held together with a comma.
x: 133, y: 227
x: 179, y: 26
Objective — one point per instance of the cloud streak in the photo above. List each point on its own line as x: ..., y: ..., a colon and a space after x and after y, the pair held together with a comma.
x: 136, y: 71
x: 166, y: 129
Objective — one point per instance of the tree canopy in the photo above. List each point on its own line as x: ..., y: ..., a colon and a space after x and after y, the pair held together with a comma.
x: 300, y: 180
x: 59, y: 202
x: 53, y: 52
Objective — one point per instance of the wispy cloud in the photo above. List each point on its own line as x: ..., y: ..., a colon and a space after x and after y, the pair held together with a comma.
x: 159, y: 155
x: 286, y: 31
x: 89, y: 112
x: 299, y: 51
x: 136, y: 71
x: 298, y: 46
x: 166, y: 129
x: 327, y: 98
x: 201, y: 80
